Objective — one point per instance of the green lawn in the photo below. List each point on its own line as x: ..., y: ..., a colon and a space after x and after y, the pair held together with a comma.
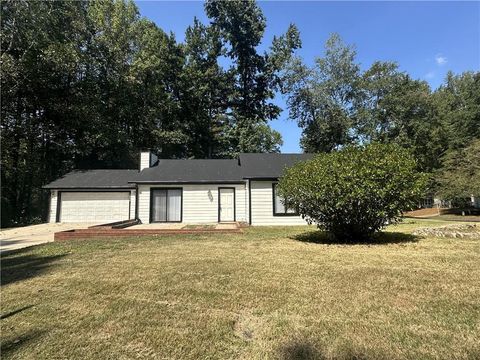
x: 266, y: 293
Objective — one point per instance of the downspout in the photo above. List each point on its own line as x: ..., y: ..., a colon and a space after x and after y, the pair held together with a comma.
x: 136, y: 202
x: 249, y: 202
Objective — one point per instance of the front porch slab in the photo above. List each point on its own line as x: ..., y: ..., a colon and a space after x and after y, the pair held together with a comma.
x: 148, y: 229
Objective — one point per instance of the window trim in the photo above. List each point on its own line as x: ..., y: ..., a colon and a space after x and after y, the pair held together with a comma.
x: 151, y: 203
x: 286, y: 207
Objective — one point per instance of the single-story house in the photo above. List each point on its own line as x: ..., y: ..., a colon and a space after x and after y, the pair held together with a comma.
x: 173, y: 190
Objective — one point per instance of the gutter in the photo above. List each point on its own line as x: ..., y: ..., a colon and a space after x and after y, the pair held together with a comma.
x: 173, y: 182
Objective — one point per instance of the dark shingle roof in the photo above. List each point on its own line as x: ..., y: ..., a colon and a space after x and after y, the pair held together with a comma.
x: 205, y: 170
x: 268, y: 165
x: 102, y: 179
x: 248, y: 166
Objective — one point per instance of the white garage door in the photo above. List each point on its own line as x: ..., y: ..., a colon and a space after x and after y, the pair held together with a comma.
x: 94, y: 206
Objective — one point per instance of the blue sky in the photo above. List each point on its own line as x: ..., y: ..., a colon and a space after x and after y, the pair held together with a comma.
x: 425, y: 38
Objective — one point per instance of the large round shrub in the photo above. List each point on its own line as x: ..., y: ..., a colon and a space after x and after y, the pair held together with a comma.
x: 356, y: 191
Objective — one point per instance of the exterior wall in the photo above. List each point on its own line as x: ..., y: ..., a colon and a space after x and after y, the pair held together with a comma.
x: 199, y: 202
x: 262, y: 206
x: 52, y: 215
x: 133, y: 200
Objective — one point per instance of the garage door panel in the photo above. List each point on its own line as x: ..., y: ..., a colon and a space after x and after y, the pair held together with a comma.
x: 94, y: 206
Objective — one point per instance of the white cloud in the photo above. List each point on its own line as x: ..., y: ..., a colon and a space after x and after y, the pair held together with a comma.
x: 440, y: 60
x: 430, y: 75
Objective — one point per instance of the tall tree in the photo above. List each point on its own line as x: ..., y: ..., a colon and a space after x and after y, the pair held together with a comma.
x: 157, y: 96
x: 207, y: 87
x: 459, y: 177
x: 242, y: 25
x: 322, y: 97
x: 72, y: 75
x: 457, y: 104
x: 396, y: 108
x: 110, y: 46
x: 375, y: 85
x: 40, y: 58
x: 337, y: 104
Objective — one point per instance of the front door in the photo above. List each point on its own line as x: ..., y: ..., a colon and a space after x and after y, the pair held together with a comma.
x: 226, y: 206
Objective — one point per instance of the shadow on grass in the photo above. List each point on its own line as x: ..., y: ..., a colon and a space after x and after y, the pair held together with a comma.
x: 11, y: 313
x: 17, y: 266
x: 382, y: 238
x: 302, y: 350
x: 12, y: 345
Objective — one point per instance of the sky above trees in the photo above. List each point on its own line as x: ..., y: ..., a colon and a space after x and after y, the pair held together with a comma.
x: 426, y: 38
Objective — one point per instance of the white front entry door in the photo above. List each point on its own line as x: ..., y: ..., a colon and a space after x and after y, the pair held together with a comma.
x: 226, y: 206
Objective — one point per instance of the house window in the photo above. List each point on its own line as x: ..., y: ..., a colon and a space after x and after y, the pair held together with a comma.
x: 280, y: 208
x: 166, y: 205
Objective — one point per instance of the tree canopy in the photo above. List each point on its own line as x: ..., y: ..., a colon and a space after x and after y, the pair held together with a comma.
x: 336, y: 104
x: 459, y: 177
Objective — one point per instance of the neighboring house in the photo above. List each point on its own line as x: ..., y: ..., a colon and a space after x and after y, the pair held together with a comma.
x: 189, y: 191
x: 437, y: 202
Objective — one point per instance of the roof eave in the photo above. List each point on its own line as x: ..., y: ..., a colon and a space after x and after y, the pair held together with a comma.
x: 146, y: 182
x: 266, y: 178
x: 54, y: 187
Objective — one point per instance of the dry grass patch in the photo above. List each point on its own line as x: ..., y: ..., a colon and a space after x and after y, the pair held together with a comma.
x: 287, y: 293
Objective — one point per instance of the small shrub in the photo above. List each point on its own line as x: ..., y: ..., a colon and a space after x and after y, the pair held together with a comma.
x: 356, y: 191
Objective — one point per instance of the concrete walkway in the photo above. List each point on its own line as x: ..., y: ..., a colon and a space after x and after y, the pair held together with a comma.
x: 21, y: 237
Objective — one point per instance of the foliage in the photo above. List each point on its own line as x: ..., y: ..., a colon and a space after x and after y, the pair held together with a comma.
x: 356, y: 191
x: 207, y: 89
x: 337, y: 104
x: 321, y: 98
x: 394, y: 108
x: 458, y: 107
x: 459, y: 178
x: 241, y: 25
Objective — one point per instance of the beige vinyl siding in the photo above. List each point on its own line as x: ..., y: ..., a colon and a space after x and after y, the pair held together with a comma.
x: 262, y: 206
x: 52, y: 217
x: 133, y: 200
x: 143, y: 203
x: 199, y: 206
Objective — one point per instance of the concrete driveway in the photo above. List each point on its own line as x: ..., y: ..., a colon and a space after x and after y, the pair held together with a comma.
x: 21, y: 237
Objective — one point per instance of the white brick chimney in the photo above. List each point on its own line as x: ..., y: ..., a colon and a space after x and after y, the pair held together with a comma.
x: 147, y: 159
